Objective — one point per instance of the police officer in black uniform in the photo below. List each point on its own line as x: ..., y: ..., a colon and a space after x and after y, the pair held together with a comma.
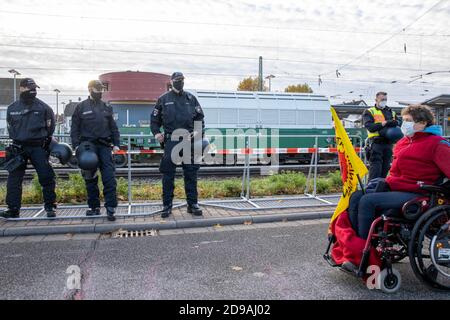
x: 93, y: 121
x: 377, y: 120
x: 31, y: 124
x: 177, y: 109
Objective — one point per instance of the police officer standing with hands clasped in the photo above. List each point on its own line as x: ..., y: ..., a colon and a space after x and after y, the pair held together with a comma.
x: 31, y: 124
x: 178, y: 110
x: 377, y: 120
x: 94, y: 130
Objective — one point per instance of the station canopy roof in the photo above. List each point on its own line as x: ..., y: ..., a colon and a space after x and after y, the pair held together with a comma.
x: 442, y: 101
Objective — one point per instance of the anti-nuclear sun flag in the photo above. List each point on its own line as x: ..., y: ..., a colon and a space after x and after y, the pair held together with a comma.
x: 350, y: 163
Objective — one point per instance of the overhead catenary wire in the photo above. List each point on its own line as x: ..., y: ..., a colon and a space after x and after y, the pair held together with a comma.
x: 213, y: 74
x: 228, y: 24
x: 203, y: 23
x: 277, y: 59
x: 208, y: 44
x: 192, y: 54
x: 386, y: 40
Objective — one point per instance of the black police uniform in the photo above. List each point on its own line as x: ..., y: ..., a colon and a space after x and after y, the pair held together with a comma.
x: 94, y: 121
x: 380, y: 150
x: 177, y: 111
x: 30, y: 126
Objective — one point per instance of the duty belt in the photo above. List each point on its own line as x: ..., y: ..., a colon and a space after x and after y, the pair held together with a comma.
x: 168, y: 136
x: 380, y: 140
x: 102, y: 141
x: 30, y: 143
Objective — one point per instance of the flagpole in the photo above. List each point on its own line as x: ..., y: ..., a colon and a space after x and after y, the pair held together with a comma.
x: 361, y: 184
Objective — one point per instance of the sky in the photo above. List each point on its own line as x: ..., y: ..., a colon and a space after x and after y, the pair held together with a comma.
x: 64, y: 44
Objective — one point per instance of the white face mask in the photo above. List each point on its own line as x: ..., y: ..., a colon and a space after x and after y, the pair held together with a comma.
x: 408, y: 128
x: 382, y: 104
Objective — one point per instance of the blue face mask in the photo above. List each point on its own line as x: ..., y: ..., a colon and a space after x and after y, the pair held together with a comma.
x: 408, y: 128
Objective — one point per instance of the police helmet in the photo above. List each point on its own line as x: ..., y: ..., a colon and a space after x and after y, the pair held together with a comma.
x: 86, y: 155
x: 62, y: 151
x: 393, y: 134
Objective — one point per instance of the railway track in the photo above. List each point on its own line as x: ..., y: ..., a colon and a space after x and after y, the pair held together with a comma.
x: 142, y: 172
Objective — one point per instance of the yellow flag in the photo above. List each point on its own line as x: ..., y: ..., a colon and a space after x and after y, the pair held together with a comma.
x: 351, y: 165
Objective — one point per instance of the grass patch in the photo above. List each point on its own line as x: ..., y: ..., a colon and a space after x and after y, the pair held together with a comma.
x: 73, y: 190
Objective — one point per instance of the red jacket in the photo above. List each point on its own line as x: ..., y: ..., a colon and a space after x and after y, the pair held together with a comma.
x: 424, y: 158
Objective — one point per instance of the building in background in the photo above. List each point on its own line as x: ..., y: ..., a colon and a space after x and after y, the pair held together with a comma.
x: 68, y: 112
x: 6, y: 98
x: 133, y: 95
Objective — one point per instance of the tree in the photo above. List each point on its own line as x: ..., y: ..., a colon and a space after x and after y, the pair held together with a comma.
x: 304, y: 88
x: 249, y: 84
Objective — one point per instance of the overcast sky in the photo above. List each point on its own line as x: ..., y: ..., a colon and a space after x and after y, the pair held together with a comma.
x: 64, y: 44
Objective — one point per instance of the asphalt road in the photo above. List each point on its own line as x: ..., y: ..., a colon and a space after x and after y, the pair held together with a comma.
x: 259, y: 262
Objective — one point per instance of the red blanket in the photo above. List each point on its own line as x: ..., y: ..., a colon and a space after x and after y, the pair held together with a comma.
x: 348, y: 246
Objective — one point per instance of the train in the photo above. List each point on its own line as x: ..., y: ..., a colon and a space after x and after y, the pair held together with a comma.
x: 271, y: 119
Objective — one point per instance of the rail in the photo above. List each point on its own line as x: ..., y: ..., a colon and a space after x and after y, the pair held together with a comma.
x: 246, y: 202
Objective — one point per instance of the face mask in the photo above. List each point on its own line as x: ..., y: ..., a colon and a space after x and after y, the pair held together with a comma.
x: 178, y: 86
x: 408, y: 128
x: 97, y: 96
x: 28, y: 96
x: 382, y: 104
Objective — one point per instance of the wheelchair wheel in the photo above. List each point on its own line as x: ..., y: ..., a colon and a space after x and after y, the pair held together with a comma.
x: 440, y: 250
x: 389, y: 282
x: 420, y: 247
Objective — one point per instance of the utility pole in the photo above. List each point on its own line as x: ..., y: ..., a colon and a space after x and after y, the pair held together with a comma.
x: 261, y: 81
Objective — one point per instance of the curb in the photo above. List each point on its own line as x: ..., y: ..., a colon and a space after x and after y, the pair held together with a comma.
x: 192, y: 223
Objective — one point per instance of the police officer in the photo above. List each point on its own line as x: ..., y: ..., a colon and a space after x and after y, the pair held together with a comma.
x: 93, y: 121
x: 31, y: 124
x: 377, y: 120
x: 177, y: 109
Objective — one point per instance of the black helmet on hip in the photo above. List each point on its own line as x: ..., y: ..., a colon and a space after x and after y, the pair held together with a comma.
x: 87, y: 156
x: 62, y: 151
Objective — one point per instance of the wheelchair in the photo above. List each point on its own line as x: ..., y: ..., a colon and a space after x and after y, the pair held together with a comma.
x: 421, y: 232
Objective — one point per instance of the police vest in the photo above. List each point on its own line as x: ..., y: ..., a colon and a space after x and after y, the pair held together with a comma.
x: 378, y: 117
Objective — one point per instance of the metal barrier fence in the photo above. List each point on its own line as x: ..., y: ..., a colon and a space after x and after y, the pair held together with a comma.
x: 310, y: 198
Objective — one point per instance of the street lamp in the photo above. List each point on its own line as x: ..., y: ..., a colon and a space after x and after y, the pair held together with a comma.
x: 15, y: 73
x: 57, y: 91
x: 270, y: 77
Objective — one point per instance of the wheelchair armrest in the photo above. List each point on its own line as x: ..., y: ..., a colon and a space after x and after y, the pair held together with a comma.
x: 414, y: 208
x: 441, y: 188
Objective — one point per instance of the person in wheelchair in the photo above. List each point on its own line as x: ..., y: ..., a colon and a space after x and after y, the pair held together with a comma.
x: 421, y: 157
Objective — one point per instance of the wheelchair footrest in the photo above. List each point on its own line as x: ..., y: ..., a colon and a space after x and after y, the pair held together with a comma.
x: 330, y: 260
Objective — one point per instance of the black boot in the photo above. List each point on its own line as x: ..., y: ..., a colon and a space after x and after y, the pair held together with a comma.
x: 110, y: 211
x: 166, y: 212
x: 9, y: 214
x: 93, y: 212
x: 195, y: 210
x: 51, y: 212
